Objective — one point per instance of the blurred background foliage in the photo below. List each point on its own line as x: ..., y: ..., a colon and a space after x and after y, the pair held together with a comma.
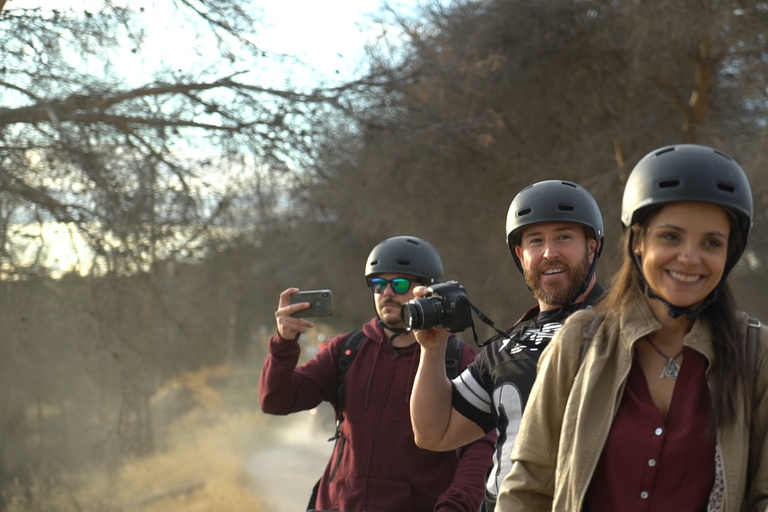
x: 148, y: 225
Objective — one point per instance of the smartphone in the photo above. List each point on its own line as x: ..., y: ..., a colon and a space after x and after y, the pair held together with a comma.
x: 320, y: 300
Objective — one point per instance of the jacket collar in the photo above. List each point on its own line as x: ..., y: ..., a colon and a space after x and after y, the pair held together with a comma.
x: 637, y: 320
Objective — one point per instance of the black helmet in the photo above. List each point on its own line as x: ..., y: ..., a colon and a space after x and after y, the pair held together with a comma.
x: 553, y: 201
x: 406, y: 255
x: 688, y: 172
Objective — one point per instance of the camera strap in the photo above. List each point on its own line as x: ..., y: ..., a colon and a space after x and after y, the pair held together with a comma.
x: 487, y: 321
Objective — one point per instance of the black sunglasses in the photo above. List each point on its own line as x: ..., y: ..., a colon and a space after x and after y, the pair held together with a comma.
x: 400, y: 285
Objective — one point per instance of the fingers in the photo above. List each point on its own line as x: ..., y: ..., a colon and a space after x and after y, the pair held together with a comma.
x: 288, y: 327
x: 285, y: 298
x: 432, y: 338
x: 420, y: 291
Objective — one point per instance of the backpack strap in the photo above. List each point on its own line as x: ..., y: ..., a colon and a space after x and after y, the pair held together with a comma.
x: 453, y: 357
x: 753, y: 340
x: 347, y: 353
x: 351, y: 346
x: 753, y: 337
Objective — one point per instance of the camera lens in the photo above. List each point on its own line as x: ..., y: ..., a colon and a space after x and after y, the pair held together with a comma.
x: 423, y: 313
x: 411, y: 316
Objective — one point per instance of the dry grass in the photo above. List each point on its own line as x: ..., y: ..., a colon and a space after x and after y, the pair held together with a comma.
x: 212, y: 455
x: 200, y: 468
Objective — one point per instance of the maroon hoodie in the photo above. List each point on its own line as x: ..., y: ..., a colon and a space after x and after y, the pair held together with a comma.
x: 375, y: 466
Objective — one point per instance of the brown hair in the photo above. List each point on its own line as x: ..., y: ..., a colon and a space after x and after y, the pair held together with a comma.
x: 729, y: 364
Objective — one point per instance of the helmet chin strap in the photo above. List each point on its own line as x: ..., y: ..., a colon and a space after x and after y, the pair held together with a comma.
x: 677, y: 311
x: 673, y: 310
x: 583, y: 288
x: 396, y: 331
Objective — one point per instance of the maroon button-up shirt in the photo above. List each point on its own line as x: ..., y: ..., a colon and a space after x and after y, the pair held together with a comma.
x: 650, y: 463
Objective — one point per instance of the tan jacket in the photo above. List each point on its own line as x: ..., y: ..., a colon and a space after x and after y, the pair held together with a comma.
x: 576, y: 408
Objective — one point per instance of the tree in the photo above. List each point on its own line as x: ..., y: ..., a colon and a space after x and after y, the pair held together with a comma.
x: 488, y: 97
x: 201, y: 193
x: 145, y: 171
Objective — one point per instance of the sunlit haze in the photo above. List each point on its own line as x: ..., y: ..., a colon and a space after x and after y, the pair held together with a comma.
x: 328, y: 37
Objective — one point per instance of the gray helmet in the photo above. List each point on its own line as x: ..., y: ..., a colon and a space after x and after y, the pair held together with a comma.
x: 688, y: 172
x: 553, y: 201
x: 406, y: 255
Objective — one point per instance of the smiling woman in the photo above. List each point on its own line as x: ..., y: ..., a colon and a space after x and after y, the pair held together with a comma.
x: 683, y: 253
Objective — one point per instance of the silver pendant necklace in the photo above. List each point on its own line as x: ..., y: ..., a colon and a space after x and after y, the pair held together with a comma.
x: 671, y: 369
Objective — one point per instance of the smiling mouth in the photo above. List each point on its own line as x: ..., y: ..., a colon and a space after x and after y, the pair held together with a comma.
x: 553, y: 271
x: 686, y: 278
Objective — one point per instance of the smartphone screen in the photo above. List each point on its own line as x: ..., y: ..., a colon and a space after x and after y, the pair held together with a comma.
x: 320, y: 300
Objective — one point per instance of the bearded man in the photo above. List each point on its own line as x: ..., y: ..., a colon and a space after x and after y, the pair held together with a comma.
x: 555, y: 235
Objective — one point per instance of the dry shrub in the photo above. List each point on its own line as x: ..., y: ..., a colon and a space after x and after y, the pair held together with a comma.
x: 202, y: 469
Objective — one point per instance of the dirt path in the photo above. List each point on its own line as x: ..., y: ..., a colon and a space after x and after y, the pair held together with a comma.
x: 285, y: 471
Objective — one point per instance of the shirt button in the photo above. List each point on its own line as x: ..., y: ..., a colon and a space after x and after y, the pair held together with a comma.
x: 651, y: 462
x: 659, y: 431
x: 644, y: 495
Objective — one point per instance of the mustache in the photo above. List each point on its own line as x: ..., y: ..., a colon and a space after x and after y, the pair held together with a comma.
x: 391, y: 302
x: 553, y: 264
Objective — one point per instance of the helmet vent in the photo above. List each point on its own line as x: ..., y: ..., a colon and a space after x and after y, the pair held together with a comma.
x: 669, y: 184
x: 524, y: 211
x: 724, y: 155
x: 565, y: 207
x: 405, y: 263
x: 727, y: 187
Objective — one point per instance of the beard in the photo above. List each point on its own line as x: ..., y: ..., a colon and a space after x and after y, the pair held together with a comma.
x: 558, y: 295
x: 391, y: 321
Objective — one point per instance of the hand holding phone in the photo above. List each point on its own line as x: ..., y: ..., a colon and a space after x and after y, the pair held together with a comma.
x: 321, y: 303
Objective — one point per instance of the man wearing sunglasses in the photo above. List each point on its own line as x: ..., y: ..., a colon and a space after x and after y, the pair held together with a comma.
x: 375, y: 464
x: 555, y: 235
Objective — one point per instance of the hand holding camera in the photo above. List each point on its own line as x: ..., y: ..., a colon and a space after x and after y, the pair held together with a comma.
x: 446, y: 305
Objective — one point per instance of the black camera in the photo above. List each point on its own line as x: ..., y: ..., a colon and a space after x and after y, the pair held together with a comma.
x: 446, y: 305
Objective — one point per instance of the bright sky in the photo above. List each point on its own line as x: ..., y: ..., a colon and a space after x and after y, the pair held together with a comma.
x: 328, y: 36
